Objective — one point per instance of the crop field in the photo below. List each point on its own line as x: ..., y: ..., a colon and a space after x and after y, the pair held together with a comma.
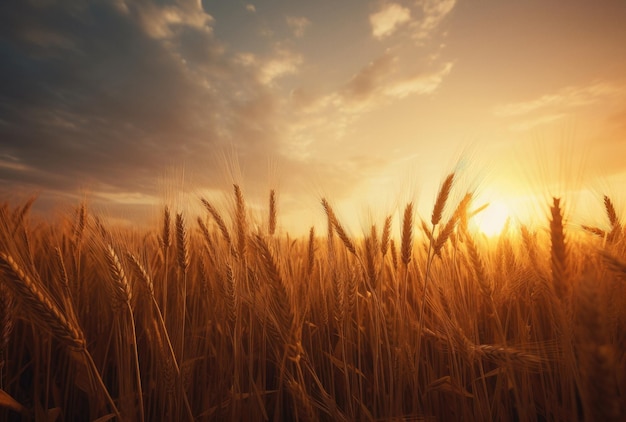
x: 217, y: 316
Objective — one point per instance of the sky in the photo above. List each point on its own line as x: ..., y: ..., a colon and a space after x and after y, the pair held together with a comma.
x: 129, y: 105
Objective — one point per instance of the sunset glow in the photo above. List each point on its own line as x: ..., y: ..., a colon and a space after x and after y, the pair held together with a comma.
x: 367, y: 103
x: 492, y: 219
x: 329, y: 210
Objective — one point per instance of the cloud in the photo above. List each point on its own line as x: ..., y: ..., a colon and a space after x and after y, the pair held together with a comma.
x: 124, y: 91
x: 532, y: 123
x: 104, y: 97
x: 368, y: 80
x: 161, y: 21
x: 375, y: 85
x: 418, y: 84
x: 433, y: 13
x: 284, y: 63
x: 298, y: 25
x: 568, y: 97
x: 388, y: 19
x: 251, y: 8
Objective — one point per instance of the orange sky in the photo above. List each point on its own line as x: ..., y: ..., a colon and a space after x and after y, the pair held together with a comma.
x: 370, y: 104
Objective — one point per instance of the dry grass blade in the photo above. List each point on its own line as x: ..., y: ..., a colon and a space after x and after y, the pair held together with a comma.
x: 442, y: 198
x: 38, y: 305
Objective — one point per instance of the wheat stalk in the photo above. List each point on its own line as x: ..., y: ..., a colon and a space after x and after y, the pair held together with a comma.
x: 442, y: 198
x: 332, y: 218
x: 558, y: 251
x: 598, y: 358
x: 311, y: 252
x: 281, y: 304
x: 610, y: 212
x: 272, y: 214
x: 386, y: 235
x: 220, y: 223
x: 40, y: 306
x: 240, y: 214
x: 6, y: 328
x: 406, y: 248
x: 230, y: 291
x: 182, y: 244
x: 121, y: 292
x: 141, y: 273
x: 479, y: 267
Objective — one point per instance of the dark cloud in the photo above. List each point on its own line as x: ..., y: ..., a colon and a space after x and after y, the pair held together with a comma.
x: 108, y: 95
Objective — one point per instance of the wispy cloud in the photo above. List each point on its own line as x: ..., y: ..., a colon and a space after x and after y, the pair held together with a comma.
x: 385, y: 21
x: 251, y: 8
x: 369, y: 79
x: 159, y: 21
x: 418, y: 84
x: 569, y: 97
x: 433, y: 12
x: 375, y: 85
x: 532, y: 123
x: 298, y: 25
x: 284, y: 63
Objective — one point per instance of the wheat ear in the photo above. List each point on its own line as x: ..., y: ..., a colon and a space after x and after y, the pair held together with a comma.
x: 240, y: 213
x: 220, y: 223
x: 442, y: 198
x: 40, y: 305
x: 406, y: 247
x: 348, y: 243
x: 558, y: 250
x: 386, y: 235
x: 281, y: 303
x: 272, y: 215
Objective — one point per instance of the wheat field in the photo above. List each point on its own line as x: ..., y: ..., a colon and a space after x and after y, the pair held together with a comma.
x: 221, y: 317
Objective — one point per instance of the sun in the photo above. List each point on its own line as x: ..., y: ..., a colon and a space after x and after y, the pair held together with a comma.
x: 492, y: 219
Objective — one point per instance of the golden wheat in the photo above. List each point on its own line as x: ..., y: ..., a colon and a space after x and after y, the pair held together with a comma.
x: 444, y: 325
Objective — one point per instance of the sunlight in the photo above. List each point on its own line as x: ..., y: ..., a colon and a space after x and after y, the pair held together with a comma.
x: 492, y: 219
